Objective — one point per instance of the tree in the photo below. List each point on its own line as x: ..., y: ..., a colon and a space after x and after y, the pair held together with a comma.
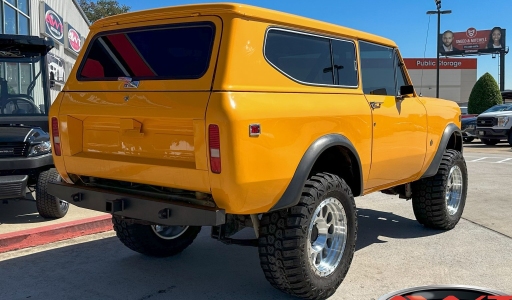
x: 485, y: 94
x: 95, y: 10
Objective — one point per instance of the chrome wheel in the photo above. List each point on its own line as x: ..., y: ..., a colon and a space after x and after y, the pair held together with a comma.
x: 327, y: 236
x: 168, y: 232
x: 454, y: 188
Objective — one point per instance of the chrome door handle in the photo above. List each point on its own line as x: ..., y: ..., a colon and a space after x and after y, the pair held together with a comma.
x: 375, y: 105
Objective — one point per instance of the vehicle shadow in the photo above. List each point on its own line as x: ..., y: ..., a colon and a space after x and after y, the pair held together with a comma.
x: 208, y: 269
x: 374, y: 225
x: 20, y: 212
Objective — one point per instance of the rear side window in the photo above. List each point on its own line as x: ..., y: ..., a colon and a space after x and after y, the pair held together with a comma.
x: 173, y: 52
x: 312, y: 59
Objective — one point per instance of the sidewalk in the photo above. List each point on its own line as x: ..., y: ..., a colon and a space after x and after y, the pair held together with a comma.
x: 22, y: 227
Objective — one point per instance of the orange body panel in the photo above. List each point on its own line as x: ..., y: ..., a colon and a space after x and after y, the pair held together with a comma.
x: 157, y: 134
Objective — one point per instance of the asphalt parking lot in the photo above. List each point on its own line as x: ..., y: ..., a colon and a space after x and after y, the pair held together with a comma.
x: 393, y: 252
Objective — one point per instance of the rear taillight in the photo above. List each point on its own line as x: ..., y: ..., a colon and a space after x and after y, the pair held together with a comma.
x: 214, y: 144
x: 56, y: 136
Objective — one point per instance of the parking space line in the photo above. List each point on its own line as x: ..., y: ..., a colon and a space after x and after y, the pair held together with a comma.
x: 478, y: 159
x: 504, y: 160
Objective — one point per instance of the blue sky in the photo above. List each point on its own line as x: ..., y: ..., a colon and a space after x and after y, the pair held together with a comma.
x: 404, y: 21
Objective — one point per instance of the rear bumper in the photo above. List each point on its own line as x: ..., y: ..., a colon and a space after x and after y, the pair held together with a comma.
x: 491, y: 133
x: 137, y: 207
x: 23, y: 163
x: 13, y: 187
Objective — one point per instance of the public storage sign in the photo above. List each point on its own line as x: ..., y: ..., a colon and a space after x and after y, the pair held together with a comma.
x: 52, y: 24
x: 444, y: 63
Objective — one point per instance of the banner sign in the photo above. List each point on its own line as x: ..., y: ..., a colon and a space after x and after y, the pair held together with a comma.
x: 52, y: 24
x: 73, y: 39
x: 444, y: 63
x: 472, y: 41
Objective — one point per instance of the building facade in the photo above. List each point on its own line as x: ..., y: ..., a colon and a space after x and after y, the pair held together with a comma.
x: 60, y: 20
x: 457, y: 76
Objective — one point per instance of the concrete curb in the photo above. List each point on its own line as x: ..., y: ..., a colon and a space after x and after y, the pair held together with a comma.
x: 53, y: 233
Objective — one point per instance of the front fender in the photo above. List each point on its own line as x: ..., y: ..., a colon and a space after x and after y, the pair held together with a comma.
x: 446, y: 143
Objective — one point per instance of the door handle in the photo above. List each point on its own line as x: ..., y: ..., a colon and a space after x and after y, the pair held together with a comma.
x: 375, y: 105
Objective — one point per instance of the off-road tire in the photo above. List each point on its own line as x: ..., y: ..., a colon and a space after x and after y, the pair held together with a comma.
x: 141, y: 238
x: 283, y: 241
x: 468, y: 139
x: 48, y: 206
x: 490, y: 142
x: 428, y: 194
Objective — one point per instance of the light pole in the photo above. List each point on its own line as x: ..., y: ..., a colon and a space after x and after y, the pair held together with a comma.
x: 439, y: 12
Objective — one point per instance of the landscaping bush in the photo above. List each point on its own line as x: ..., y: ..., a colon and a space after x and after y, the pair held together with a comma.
x: 485, y: 94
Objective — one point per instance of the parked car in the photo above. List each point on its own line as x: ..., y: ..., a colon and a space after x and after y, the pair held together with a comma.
x: 233, y: 116
x: 492, y: 127
x: 464, y: 113
x: 469, y: 123
x: 468, y: 129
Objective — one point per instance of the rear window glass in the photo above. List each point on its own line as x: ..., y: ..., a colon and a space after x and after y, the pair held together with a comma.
x: 173, y: 52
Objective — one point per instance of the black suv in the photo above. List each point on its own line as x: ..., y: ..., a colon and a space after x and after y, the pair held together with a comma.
x: 26, y: 163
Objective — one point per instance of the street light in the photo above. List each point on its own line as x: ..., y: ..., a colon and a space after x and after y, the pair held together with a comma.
x: 439, y: 12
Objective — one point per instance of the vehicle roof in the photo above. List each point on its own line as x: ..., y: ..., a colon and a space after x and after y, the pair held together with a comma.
x: 247, y: 11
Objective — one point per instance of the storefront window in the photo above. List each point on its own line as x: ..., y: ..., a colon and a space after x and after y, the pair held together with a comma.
x: 10, y: 20
x: 15, y: 17
x: 23, y: 6
x: 24, y: 25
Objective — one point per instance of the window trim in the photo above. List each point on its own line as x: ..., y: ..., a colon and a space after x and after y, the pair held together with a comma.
x: 150, y: 27
x: 329, y: 39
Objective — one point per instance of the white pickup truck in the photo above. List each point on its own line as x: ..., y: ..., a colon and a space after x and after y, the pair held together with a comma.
x: 492, y: 127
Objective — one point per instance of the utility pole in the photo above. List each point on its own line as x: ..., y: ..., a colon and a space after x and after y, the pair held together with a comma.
x: 439, y: 12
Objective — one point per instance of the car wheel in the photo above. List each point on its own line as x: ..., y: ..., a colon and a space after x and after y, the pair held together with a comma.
x: 438, y: 201
x: 154, y: 240
x: 48, y: 205
x: 490, y: 142
x: 306, y: 250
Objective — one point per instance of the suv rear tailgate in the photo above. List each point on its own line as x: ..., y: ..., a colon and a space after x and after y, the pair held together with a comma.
x: 130, y: 115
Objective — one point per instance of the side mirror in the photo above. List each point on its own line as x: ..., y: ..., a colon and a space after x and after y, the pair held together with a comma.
x: 406, y: 90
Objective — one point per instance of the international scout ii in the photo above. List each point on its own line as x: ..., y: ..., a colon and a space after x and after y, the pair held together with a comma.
x: 234, y: 116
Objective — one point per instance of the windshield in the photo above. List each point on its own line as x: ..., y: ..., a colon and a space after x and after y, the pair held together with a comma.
x: 498, y: 108
x: 22, y: 89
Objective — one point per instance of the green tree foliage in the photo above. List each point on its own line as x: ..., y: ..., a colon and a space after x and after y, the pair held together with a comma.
x: 95, y: 10
x: 485, y: 94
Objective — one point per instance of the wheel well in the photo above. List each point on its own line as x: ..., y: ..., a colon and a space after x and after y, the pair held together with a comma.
x: 340, y: 161
x: 455, y: 142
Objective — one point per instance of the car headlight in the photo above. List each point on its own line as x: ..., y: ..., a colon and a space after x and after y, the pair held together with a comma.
x: 471, y: 126
x: 502, y: 121
x: 40, y: 149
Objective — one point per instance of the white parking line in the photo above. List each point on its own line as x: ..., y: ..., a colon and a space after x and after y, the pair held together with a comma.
x: 504, y: 160
x: 478, y: 159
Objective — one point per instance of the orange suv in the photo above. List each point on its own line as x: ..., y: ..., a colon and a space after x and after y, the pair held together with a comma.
x: 234, y: 116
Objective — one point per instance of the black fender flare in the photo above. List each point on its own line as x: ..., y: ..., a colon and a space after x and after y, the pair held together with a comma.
x: 434, y: 165
x: 293, y: 192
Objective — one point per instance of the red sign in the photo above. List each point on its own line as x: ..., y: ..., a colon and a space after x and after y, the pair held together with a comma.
x: 472, y: 41
x: 74, y: 40
x: 444, y: 63
x: 54, y: 24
